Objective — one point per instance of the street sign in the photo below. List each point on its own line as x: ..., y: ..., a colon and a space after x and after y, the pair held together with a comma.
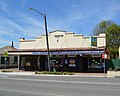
x: 5, y: 53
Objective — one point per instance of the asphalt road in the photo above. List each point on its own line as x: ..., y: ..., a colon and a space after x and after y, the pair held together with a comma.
x: 12, y: 85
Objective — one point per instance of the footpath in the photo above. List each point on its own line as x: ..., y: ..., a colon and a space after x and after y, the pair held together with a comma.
x: 29, y: 73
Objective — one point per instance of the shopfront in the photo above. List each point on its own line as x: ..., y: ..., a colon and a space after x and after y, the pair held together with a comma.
x: 68, y: 52
x: 68, y: 60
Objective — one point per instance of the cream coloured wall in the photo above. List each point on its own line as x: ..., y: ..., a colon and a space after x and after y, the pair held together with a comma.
x: 62, y: 39
x: 101, y: 41
x: 26, y: 45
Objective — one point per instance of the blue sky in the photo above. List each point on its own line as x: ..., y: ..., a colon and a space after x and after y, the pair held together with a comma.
x: 78, y: 16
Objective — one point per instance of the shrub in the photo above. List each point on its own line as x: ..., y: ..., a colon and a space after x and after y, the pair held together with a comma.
x: 7, y: 71
x: 55, y: 73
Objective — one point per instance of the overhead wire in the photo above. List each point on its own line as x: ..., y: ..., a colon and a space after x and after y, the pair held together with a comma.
x: 19, y: 17
x: 16, y: 18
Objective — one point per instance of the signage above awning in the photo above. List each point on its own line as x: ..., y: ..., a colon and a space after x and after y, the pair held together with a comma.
x: 69, y: 52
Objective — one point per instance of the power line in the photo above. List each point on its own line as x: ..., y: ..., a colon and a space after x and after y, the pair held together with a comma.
x: 20, y: 33
x: 26, y: 23
x: 19, y: 17
x: 16, y: 19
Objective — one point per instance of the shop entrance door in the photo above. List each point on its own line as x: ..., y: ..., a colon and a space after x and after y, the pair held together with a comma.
x: 85, y: 64
x: 42, y: 63
x: 31, y: 63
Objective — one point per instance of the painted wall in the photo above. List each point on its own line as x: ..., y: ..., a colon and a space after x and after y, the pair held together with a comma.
x: 62, y: 39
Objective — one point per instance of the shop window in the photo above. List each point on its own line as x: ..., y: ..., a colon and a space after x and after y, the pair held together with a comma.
x: 95, y: 62
x: 3, y: 61
x: 57, y: 62
x: 66, y: 61
x: 72, y: 62
x: 27, y: 63
x: 15, y: 59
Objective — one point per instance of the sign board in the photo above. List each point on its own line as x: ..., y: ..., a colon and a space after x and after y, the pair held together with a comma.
x: 5, y: 53
x: 104, y: 56
x: 70, y: 52
x: 93, y: 41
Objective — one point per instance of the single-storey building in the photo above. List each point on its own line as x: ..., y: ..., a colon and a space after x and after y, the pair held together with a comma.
x: 68, y: 52
x: 8, y: 61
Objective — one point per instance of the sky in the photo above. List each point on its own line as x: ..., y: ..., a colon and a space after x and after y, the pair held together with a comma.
x: 78, y: 16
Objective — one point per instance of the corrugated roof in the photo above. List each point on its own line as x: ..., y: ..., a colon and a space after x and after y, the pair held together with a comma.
x: 7, y: 48
x: 57, y: 49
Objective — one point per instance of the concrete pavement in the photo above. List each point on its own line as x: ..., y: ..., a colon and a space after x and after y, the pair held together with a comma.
x: 76, y: 74
x: 20, y: 72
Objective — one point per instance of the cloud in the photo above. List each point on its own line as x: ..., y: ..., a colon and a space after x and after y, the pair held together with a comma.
x: 73, y: 15
x: 3, y: 6
x: 4, y: 42
x: 13, y: 29
x: 99, y: 10
x: 81, y: 16
x: 23, y: 2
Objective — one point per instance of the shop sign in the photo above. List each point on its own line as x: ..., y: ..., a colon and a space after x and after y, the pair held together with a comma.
x: 93, y: 41
x: 69, y: 52
x: 42, y: 53
x: 71, y: 65
x: 104, y: 56
x: 72, y: 62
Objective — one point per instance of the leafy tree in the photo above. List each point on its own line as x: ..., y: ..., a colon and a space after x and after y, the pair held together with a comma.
x: 101, y: 27
x: 112, y: 31
x: 113, y: 39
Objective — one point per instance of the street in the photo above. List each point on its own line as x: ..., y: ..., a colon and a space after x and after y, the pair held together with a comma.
x: 14, y: 85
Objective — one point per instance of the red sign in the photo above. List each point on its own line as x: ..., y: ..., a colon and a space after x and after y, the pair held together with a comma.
x: 104, y: 55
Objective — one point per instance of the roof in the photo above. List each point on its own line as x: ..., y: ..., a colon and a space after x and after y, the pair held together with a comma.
x: 58, y: 49
x: 7, y: 48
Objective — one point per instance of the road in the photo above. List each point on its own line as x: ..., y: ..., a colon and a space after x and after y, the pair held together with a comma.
x: 13, y: 85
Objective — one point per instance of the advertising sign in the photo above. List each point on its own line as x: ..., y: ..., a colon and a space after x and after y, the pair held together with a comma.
x: 104, y: 56
x: 93, y: 41
x: 5, y: 53
x: 70, y: 52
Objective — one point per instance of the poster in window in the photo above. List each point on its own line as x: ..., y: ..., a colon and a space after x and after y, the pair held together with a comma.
x: 28, y: 63
x: 72, y: 62
x: 93, y: 41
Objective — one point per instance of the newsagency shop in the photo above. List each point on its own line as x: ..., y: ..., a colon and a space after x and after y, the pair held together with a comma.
x: 68, y: 52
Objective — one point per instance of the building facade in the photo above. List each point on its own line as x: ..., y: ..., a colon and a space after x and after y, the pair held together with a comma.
x: 8, y: 61
x: 68, y: 52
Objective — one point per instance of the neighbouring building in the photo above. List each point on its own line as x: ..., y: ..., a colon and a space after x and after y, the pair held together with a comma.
x: 11, y: 60
x: 68, y: 52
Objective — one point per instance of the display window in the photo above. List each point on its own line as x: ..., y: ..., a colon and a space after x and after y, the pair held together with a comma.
x: 72, y: 62
x: 57, y: 62
x: 63, y: 61
x: 95, y: 62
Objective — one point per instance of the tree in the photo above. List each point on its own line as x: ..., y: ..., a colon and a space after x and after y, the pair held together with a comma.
x: 112, y: 31
x: 113, y: 39
x: 101, y: 27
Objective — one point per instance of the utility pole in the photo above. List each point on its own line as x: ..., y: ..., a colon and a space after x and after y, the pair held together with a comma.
x: 47, y: 43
